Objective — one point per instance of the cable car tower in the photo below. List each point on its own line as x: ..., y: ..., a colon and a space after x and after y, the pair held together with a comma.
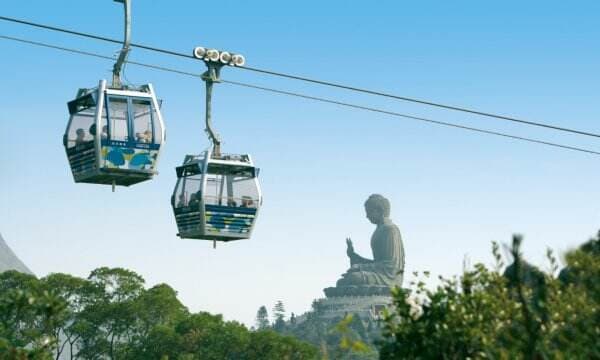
x: 115, y: 132
x: 217, y: 195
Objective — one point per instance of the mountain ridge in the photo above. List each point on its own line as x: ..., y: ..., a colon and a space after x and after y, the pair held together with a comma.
x: 9, y: 260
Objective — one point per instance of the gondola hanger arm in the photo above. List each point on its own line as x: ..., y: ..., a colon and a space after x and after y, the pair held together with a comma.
x: 215, y: 60
x: 211, y: 76
x: 116, y: 83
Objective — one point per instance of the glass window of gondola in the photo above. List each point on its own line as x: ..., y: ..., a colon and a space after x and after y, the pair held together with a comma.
x: 188, y: 192
x: 133, y: 120
x: 158, y: 130
x: 118, y: 118
x: 142, y: 121
x: 231, y: 185
x: 83, y: 113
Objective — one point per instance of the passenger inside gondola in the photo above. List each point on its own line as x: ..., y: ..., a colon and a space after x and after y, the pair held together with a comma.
x: 194, y: 201
x: 231, y: 202
x: 103, y: 135
x: 181, y: 202
x: 145, y: 137
x: 80, y: 139
x: 247, y: 202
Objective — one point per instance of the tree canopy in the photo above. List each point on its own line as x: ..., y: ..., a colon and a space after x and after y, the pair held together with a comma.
x: 521, y: 312
x: 515, y: 311
x: 112, y: 315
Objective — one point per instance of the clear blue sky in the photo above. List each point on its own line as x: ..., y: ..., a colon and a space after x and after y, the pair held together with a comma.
x: 452, y: 192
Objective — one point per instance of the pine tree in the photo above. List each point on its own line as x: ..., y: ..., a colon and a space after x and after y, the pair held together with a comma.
x: 262, y: 318
x: 279, y: 316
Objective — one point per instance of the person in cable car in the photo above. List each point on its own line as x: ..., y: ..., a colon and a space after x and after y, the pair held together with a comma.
x: 247, y: 202
x: 231, y: 202
x: 103, y: 135
x: 194, y: 200
x: 80, y: 139
x: 181, y: 202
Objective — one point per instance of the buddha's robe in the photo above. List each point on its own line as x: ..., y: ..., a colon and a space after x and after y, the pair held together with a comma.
x: 387, y: 266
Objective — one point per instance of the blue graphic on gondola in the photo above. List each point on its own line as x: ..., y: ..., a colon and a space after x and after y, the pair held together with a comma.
x: 139, y: 161
x: 226, y: 219
x: 116, y: 156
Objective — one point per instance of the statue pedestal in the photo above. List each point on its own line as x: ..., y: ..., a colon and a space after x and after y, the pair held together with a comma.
x: 367, y: 307
x: 367, y: 301
x: 356, y: 290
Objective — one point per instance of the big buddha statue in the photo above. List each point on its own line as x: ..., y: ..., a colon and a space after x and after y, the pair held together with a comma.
x: 378, y: 275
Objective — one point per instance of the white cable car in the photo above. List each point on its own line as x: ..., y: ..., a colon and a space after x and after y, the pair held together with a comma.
x: 126, y: 150
x: 114, y: 132
x: 217, y: 196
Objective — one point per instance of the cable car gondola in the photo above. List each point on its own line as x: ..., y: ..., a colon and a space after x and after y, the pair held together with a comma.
x: 115, y: 133
x: 217, y: 196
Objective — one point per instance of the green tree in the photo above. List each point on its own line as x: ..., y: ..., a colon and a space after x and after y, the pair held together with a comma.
x: 27, y: 315
x: 524, y: 313
x: 111, y: 315
x: 269, y: 345
x: 77, y: 293
x: 110, y: 321
x: 337, y: 338
x: 156, y: 311
x: 350, y: 345
x: 209, y: 337
x: 574, y: 304
x: 279, y: 316
x: 158, y: 306
x: 262, y: 318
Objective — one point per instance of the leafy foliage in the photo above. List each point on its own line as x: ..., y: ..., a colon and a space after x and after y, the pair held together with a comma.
x: 349, y: 338
x: 27, y: 315
x: 501, y: 312
x: 279, y: 316
x: 262, y: 318
x: 522, y: 313
x: 349, y: 343
x: 111, y: 315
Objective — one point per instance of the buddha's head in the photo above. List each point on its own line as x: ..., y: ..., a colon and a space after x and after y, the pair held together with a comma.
x: 377, y: 208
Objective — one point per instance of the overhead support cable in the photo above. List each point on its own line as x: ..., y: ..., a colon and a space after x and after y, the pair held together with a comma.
x: 321, y: 82
x: 392, y: 113
x: 91, y: 54
x: 424, y: 102
x: 92, y: 36
x: 309, y: 97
